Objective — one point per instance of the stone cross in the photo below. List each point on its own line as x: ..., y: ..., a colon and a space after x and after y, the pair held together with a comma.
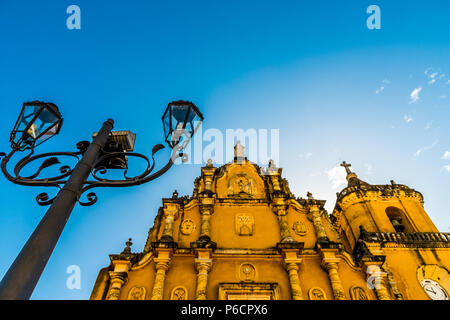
x: 346, y: 166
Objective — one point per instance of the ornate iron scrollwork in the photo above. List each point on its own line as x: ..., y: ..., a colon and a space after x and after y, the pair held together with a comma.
x: 52, y: 158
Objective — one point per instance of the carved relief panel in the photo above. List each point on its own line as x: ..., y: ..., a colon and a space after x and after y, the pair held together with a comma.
x: 245, y: 224
x: 358, y: 293
x: 247, y: 272
x: 179, y: 293
x: 137, y: 293
x: 241, y: 185
x: 187, y: 227
x: 299, y: 228
x: 316, y: 293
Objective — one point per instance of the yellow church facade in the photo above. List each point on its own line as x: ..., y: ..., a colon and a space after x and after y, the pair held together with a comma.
x: 243, y: 235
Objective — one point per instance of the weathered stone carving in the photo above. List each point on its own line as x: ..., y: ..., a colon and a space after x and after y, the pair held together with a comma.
x: 187, y: 227
x: 245, y: 224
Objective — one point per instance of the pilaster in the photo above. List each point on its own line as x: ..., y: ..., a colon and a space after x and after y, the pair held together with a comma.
x: 117, y: 278
x: 330, y: 264
x: 162, y: 264
x: 203, y: 264
x: 291, y: 262
x: 376, y: 279
x: 314, y: 215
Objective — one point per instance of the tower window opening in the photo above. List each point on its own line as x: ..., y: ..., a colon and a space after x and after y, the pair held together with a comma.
x: 396, y: 218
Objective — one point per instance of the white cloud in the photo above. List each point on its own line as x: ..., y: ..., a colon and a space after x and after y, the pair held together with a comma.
x: 446, y: 168
x: 443, y: 96
x: 384, y: 83
x: 414, y: 96
x: 407, y: 118
x: 428, y: 125
x: 337, y: 176
x: 369, y: 168
x: 421, y: 150
x: 446, y: 155
x: 433, y: 76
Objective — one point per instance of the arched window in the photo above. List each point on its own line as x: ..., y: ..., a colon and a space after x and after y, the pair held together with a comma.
x: 397, y: 218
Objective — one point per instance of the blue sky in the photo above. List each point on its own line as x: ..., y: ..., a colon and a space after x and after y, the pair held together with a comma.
x: 379, y: 99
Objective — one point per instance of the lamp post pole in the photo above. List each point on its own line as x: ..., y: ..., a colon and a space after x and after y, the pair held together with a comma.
x: 23, y: 275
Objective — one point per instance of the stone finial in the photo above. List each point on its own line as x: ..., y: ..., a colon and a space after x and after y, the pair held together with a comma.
x: 239, y: 150
x: 309, y: 195
x: 175, y: 194
x: 209, y: 163
x: 127, y: 249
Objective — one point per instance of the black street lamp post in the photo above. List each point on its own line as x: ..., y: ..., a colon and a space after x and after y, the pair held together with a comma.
x: 39, y: 121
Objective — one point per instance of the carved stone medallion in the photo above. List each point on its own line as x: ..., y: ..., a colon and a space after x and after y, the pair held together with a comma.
x: 245, y: 224
x: 137, y: 293
x: 179, y: 293
x: 247, y: 272
x: 316, y: 293
x: 187, y: 227
x: 358, y: 293
x: 299, y: 228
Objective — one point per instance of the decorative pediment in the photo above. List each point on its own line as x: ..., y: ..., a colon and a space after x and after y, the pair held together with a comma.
x: 240, y: 181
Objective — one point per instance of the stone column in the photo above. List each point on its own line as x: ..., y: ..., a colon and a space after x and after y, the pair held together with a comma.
x: 335, y: 280
x: 314, y: 216
x: 291, y: 263
x: 117, y: 279
x: 376, y: 279
x: 203, y: 267
x: 392, y: 282
x: 294, y: 280
x: 161, y: 266
x: 285, y: 231
x: 205, y: 227
x: 170, y: 213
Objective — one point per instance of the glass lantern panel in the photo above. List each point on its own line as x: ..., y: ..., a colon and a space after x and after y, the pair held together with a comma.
x: 193, y: 123
x: 43, y: 123
x: 179, y: 113
x: 26, y: 116
x: 49, y: 133
x: 166, y: 123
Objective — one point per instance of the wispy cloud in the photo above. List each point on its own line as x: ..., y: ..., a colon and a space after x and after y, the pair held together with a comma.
x: 447, y: 168
x: 305, y: 156
x: 337, y: 177
x: 432, y: 78
x: 421, y: 150
x: 384, y: 83
x: 369, y: 168
x: 433, y: 75
x: 408, y: 118
x: 414, y: 96
x: 446, y: 155
x: 428, y: 125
